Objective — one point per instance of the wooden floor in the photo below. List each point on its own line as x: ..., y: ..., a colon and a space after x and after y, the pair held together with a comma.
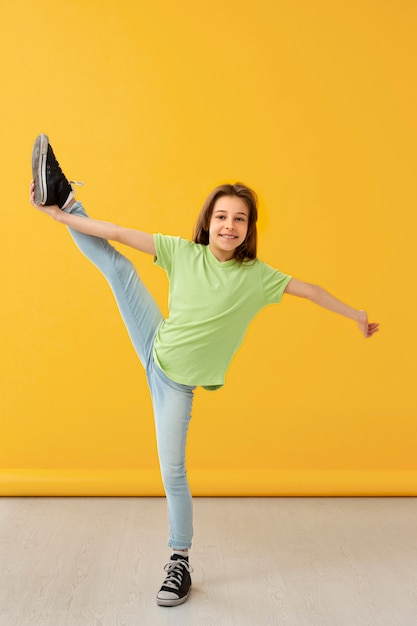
x: 257, y: 562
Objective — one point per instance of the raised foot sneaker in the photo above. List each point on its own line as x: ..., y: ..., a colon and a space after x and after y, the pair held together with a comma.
x: 177, y: 585
x: 51, y: 186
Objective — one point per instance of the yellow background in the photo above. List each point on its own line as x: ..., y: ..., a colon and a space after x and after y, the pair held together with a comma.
x: 152, y: 104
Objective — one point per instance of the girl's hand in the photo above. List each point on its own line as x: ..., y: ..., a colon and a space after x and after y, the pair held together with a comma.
x: 49, y: 210
x: 365, y: 327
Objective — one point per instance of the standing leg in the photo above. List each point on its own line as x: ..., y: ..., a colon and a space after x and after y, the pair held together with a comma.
x: 172, y: 404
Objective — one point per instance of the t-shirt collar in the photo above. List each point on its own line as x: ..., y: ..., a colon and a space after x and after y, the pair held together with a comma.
x: 215, y: 262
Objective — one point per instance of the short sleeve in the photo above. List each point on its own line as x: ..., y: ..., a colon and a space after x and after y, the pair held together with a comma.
x: 274, y: 283
x: 166, y: 247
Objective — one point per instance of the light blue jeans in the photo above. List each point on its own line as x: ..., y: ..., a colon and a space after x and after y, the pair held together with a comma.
x: 171, y: 401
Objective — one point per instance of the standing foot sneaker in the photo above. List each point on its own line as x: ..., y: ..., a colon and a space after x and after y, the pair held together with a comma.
x: 51, y: 186
x: 177, y: 585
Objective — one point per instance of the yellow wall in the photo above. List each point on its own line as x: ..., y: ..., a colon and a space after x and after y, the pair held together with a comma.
x: 313, y: 103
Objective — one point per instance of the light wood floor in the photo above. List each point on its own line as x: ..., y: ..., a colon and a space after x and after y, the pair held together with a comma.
x: 257, y: 562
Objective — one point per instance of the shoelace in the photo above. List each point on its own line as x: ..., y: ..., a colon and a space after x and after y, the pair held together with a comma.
x: 79, y: 183
x: 175, y: 573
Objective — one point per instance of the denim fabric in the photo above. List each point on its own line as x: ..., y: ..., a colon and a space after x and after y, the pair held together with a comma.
x: 172, y: 402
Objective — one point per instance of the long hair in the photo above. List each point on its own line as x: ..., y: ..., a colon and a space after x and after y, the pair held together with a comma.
x: 247, y: 250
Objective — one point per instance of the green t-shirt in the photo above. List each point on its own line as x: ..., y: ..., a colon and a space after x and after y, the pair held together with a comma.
x: 210, y: 307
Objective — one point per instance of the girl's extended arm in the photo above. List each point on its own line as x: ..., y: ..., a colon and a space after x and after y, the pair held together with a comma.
x: 323, y: 298
x: 105, y: 230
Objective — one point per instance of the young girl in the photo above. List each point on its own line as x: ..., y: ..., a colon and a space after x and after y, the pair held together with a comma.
x: 217, y: 286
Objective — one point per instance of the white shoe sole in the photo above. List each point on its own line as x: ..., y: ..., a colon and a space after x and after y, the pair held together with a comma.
x: 172, y: 601
x: 39, y: 155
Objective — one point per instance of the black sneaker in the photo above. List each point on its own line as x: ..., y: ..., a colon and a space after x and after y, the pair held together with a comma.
x: 177, y: 585
x: 51, y: 186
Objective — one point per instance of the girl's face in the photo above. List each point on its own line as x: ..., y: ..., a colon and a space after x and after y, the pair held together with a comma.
x: 228, y: 226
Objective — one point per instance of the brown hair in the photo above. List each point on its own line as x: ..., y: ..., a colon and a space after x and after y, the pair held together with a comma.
x: 247, y: 250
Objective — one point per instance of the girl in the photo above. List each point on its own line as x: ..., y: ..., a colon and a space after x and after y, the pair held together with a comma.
x: 217, y: 286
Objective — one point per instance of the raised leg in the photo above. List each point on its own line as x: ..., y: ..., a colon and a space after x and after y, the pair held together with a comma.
x: 137, y: 307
